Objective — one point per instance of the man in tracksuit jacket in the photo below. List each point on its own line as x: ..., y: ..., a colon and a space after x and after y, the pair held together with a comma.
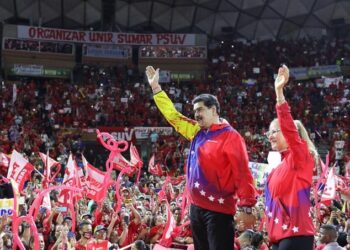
x: 217, y: 169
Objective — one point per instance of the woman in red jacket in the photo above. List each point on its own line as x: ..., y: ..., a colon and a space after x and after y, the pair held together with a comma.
x: 287, y: 191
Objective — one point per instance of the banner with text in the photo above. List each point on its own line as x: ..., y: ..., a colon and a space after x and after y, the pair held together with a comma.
x: 77, y: 36
x: 107, y: 51
x: 312, y: 72
x: 324, y: 70
x: 28, y: 69
x: 130, y: 134
x: 6, y: 206
x: 38, y: 70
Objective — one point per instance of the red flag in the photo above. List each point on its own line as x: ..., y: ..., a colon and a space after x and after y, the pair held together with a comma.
x: 119, y: 163
x: 347, y: 170
x: 153, y: 168
x: 96, y: 182
x: 184, y: 203
x: 47, y: 203
x: 19, y: 169
x: 79, y: 181
x: 330, y: 188
x: 320, y: 182
x: 341, y: 183
x: 167, y: 239
x: 4, y: 163
x: 100, y: 245
x: 80, y: 177
x: 177, y: 180
x: 179, y: 229
x: 135, y: 159
x: 49, y: 163
x: 70, y: 179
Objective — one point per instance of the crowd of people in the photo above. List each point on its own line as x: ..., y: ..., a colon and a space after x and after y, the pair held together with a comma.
x: 142, y: 216
x: 55, y: 104
x: 32, y: 121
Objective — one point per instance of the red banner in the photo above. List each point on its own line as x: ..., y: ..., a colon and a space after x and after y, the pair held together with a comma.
x: 95, y: 182
x: 153, y: 168
x: 70, y: 179
x: 49, y: 163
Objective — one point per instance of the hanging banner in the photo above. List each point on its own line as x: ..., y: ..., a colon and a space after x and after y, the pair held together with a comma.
x: 97, y: 37
x: 299, y: 73
x: 28, y: 69
x: 324, y: 70
x: 38, y: 70
x: 130, y: 134
x: 106, y: 51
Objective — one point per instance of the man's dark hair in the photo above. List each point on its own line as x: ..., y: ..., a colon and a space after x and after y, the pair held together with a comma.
x: 257, y: 240
x: 342, y: 239
x: 140, y: 245
x: 330, y: 230
x: 328, y: 227
x: 208, y: 100
x: 83, y: 223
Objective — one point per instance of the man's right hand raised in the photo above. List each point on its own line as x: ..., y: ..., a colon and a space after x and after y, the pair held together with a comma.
x: 153, y: 79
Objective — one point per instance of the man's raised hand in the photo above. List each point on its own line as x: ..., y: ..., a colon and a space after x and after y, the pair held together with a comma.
x: 153, y: 77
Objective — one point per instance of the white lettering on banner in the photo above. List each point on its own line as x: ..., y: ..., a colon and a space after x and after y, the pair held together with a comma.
x: 95, y: 185
x: 40, y: 33
x: 28, y: 69
x: 126, y: 136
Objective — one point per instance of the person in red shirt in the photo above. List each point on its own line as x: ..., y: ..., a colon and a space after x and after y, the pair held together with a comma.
x: 217, y: 167
x: 130, y: 225
x: 287, y: 191
x: 156, y: 231
x: 85, y: 230
x: 181, y: 233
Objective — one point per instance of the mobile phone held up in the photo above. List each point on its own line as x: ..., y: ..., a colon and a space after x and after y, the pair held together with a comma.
x: 61, y: 209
